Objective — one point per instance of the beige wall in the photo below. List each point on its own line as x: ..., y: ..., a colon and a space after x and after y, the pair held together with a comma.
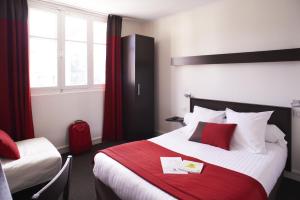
x: 132, y: 26
x: 224, y: 26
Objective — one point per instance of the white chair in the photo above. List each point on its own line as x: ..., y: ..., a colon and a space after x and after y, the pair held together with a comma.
x: 59, y: 185
x: 39, y: 162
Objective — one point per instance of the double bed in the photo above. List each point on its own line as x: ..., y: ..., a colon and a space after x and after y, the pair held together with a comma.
x: 115, y: 181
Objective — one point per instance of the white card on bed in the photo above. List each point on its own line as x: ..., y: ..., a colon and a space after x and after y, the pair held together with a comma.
x: 191, y: 166
x: 172, y: 165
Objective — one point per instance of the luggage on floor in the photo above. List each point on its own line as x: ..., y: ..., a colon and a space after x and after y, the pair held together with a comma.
x: 79, y: 137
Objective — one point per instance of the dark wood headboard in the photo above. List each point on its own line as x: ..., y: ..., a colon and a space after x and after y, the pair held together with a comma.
x: 281, y: 117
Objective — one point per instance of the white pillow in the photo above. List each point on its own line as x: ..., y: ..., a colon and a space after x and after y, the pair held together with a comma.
x: 188, y: 118
x: 204, y: 115
x: 251, y: 129
x: 208, y: 115
x: 275, y: 135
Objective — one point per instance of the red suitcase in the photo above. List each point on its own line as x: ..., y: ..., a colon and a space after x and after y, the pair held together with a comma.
x: 79, y: 137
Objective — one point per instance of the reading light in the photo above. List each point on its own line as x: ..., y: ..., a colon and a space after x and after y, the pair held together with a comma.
x: 295, y: 108
x: 187, y: 95
x: 295, y: 103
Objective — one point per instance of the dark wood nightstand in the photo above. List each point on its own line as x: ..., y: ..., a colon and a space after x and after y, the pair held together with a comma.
x: 176, y: 119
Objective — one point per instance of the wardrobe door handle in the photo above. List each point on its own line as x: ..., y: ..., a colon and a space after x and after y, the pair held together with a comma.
x: 138, y: 89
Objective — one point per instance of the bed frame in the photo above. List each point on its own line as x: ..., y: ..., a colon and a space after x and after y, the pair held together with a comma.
x: 281, y: 118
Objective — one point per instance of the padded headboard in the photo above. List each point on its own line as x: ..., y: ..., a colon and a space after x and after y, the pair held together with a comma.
x: 281, y: 117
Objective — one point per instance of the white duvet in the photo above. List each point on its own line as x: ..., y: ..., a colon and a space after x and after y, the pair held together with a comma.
x: 265, y: 168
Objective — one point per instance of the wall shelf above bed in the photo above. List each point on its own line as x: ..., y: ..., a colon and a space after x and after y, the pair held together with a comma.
x: 281, y: 55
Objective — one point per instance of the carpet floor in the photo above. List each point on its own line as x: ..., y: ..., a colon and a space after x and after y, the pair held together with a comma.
x: 82, y: 180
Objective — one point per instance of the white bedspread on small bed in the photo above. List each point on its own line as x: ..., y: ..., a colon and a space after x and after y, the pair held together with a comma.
x: 265, y: 168
x: 40, y: 161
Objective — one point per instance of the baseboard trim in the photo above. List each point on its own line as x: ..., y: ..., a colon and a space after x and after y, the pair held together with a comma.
x: 65, y: 148
x: 295, y: 175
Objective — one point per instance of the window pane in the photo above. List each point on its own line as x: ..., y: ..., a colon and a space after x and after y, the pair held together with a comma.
x: 43, y: 62
x: 76, y: 29
x: 42, y: 23
x: 99, y: 63
x: 76, y: 63
x: 99, y: 32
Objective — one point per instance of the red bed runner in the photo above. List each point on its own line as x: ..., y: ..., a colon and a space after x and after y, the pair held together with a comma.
x: 214, y: 182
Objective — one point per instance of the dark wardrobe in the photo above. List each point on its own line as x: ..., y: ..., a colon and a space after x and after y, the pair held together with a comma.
x: 138, y: 86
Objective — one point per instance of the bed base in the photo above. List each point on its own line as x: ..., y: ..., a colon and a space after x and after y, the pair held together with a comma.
x: 275, y: 191
x: 104, y: 192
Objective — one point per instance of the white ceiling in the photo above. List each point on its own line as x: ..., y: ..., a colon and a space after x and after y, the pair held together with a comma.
x: 141, y: 9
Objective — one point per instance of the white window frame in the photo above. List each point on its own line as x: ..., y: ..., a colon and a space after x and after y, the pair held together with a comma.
x: 92, y: 53
x: 54, y: 88
x: 61, y: 12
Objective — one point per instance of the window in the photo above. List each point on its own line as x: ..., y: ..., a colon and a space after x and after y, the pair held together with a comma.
x: 67, y: 49
x: 43, y: 48
x: 76, y: 51
x: 99, y: 47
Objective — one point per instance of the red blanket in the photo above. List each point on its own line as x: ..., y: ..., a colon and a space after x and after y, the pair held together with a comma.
x: 214, y: 182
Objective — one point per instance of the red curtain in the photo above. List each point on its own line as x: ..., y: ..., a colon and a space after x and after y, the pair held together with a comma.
x: 112, y: 124
x: 15, y: 105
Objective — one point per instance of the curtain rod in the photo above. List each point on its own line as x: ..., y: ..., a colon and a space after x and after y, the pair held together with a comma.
x: 68, y: 6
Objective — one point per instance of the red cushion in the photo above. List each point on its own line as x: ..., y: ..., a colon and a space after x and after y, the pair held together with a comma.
x: 8, y: 148
x: 218, y: 135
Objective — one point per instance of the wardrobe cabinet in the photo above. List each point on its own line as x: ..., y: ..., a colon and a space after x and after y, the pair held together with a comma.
x: 138, y: 86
